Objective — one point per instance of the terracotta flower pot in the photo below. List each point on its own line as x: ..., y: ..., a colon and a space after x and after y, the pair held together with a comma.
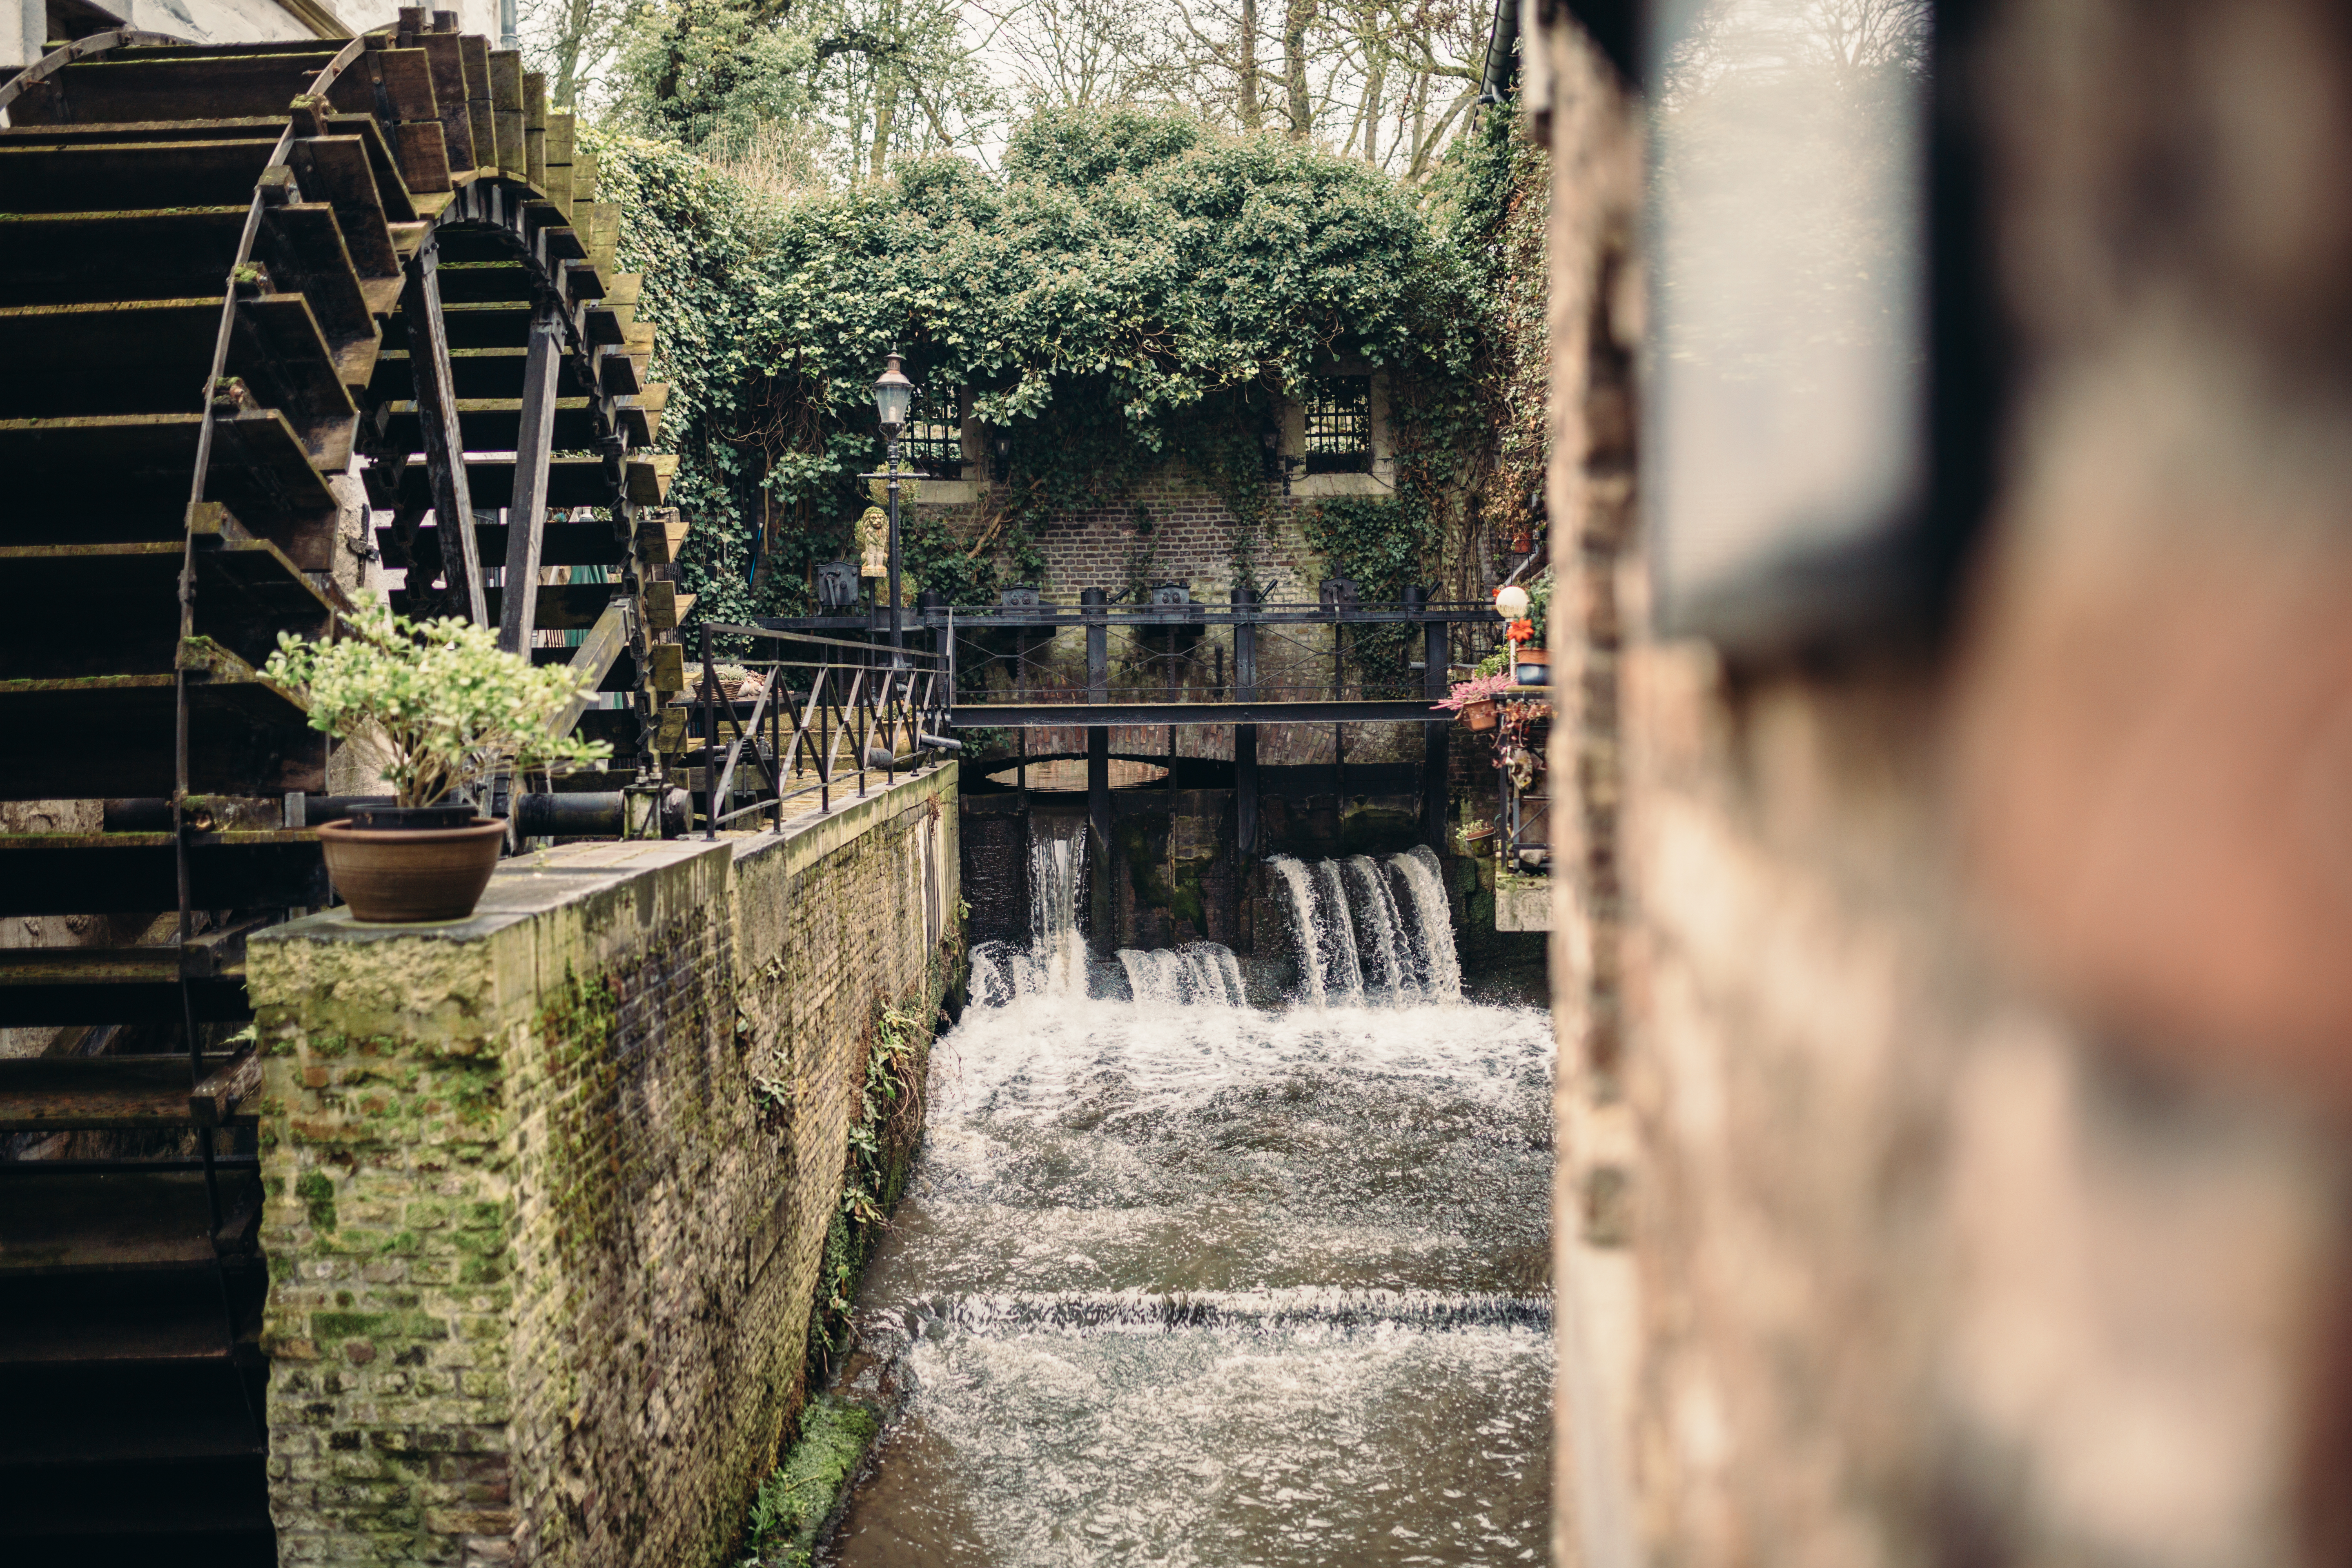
x: 409, y: 874
x: 1533, y: 667
x: 1480, y: 714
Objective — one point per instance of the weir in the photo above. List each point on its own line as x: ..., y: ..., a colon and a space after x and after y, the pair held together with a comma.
x: 1210, y: 1258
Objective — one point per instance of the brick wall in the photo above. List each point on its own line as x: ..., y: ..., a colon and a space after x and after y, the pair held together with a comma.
x: 1190, y: 539
x: 1173, y: 527
x: 1952, y: 1087
x: 548, y: 1189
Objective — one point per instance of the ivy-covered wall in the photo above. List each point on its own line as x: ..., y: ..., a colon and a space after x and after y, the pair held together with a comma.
x: 1134, y: 291
x: 549, y: 1190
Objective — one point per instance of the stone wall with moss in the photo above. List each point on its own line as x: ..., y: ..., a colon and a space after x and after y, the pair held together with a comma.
x: 549, y: 1188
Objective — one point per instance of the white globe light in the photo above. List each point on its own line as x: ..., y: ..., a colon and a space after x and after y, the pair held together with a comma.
x: 1511, y: 603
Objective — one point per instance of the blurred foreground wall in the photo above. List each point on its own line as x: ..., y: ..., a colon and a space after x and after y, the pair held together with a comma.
x: 1957, y: 1024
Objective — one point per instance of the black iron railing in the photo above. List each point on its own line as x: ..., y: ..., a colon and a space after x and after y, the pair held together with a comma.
x: 1339, y: 660
x: 808, y: 695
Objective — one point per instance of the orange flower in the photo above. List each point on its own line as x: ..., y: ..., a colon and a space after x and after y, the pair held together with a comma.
x: 1520, y: 631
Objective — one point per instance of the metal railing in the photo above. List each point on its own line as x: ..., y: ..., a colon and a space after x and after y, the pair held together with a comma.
x: 1202, y: 652
x: 1523, y: 816
x: 811, y: 693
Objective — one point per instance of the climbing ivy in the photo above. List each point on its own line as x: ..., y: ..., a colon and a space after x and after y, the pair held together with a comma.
x: 1491, y: 204
x: 1133, y: 288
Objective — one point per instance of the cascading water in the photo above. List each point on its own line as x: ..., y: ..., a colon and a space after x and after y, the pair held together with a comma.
x: 1300, y: 885
x: 1055, y: 960
x: 1182, y: 1282
x: 1424, y: 879
x: 1201, y: 973
x: 1361, y: 946
x: 1380, y: 930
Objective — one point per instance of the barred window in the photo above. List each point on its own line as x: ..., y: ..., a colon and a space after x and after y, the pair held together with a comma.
x: 1340, y: 425
x: 934, y: 439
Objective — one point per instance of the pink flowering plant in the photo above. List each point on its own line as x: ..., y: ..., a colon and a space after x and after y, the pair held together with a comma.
x: 1477, y: 688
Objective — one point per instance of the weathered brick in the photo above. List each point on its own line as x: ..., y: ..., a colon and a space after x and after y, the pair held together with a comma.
x: 548, y: 1167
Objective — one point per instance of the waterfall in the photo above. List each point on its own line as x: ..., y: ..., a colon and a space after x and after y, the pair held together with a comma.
x: 1303, y: 922
x: 1378, y: 929
x: 1402, y: 960
x: 1343, y: 973
x: 1155, y: 979
x: 1055, y: 964
x: 991, y: 985
x: 1198, y: 975
x: 1229, y: 970
x: 1442, y: 971
x: 1367, y: 932
x: 1057, y: 864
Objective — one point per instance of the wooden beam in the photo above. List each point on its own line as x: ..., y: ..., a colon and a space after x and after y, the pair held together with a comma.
x: 660, y: 531
x: 506, y: 101
x: 447, y: 57
x: 593, y: 661
x: 445, y: 448
x: 527, y: 518
x: 534, y: 128
x: 321, y: 21
x: 476, y: 52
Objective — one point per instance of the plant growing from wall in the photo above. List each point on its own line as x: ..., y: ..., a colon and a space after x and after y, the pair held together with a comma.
x: 881, y: 1143
x: 793, y: 1504
x: 1493, y: 202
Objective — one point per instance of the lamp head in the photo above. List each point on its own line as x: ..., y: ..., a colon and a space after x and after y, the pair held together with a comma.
x: 1511, y: 602
x: 894, y: 394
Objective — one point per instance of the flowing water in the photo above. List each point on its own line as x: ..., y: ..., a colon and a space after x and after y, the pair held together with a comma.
x: 1182, y: 1282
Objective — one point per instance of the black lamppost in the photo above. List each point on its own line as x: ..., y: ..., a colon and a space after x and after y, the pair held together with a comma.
x: 894, y: 394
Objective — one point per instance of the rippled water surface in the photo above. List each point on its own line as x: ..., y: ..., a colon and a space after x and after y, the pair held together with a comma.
x: 1180, y: 1282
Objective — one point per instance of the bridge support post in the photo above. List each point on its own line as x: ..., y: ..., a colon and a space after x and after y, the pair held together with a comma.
x: 1244, y: 735
x: 1104, y: 882
x: 1434, y: 738
x: 1103, y: 900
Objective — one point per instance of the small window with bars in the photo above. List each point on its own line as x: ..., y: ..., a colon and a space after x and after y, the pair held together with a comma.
x: 1340, y: 425
x: 934, y: 439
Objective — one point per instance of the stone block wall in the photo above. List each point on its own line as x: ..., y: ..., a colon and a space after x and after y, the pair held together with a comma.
x: 1952, y: 1082
x: 547, y: 1188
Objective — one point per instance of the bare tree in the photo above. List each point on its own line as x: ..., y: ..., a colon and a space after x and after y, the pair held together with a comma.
x: 574, y: 42
x: 1072, y: 53
x: 1298, y: 17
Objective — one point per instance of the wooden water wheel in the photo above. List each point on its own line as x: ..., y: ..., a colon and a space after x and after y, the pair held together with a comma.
x: 226, y: 272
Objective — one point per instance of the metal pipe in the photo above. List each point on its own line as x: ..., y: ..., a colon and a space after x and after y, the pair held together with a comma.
x: 1092, y: 602
x: 890, y: 462
x: 593, y: 814
x: 1435, y: 739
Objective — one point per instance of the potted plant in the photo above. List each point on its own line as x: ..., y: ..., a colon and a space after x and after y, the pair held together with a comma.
x: 1475, y: 699
x: 440, y: 708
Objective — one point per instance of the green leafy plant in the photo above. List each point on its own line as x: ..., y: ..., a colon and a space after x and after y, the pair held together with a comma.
x: 880, y: 1141
x: 1133, y: 289
x: 793, y: 1504
x: 438, y: 704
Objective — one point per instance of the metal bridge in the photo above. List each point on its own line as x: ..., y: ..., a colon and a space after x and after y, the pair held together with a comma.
x: 1024, y: 664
